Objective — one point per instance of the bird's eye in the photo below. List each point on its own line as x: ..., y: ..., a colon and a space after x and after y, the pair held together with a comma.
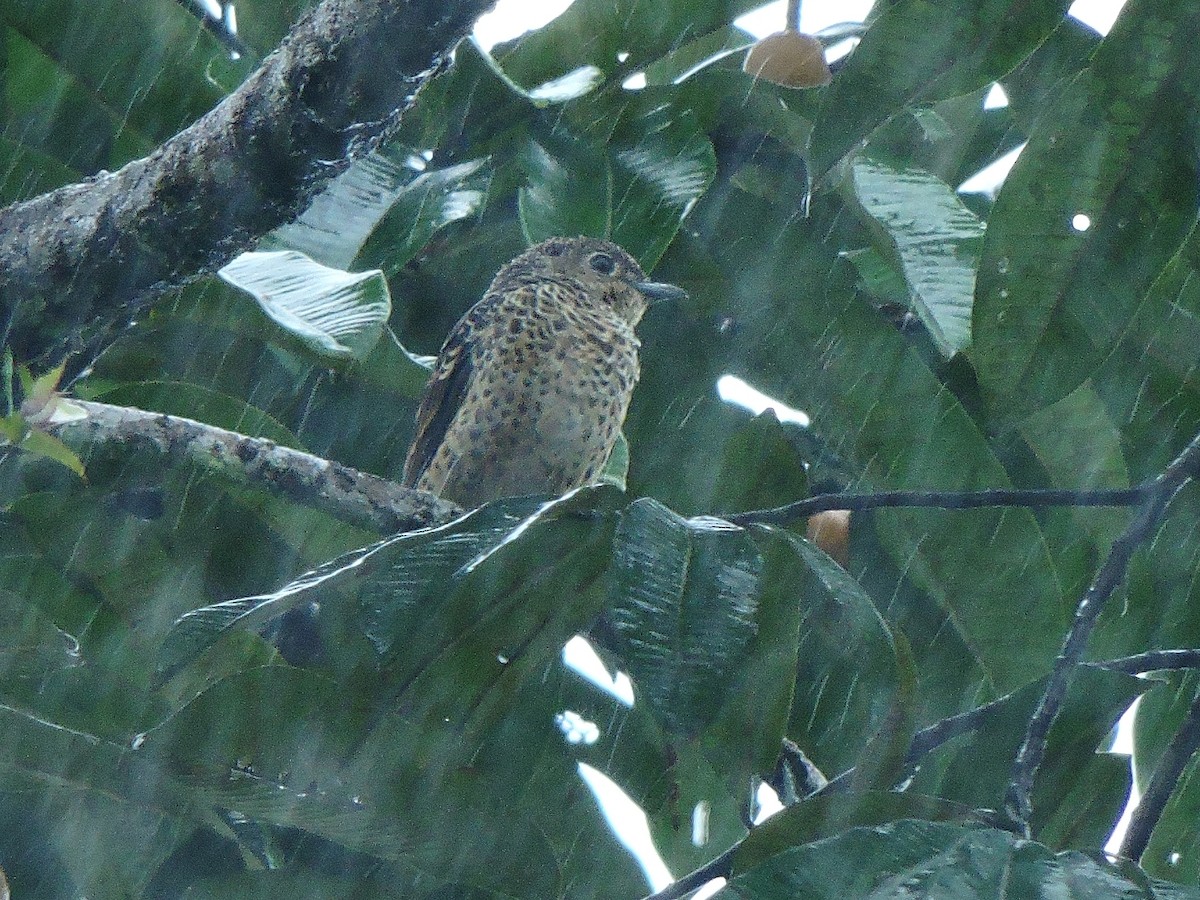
x: 602, y: 263
x: 555, y: 248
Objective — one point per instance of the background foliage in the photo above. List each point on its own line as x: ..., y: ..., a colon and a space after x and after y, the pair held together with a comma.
x: 388, y: 726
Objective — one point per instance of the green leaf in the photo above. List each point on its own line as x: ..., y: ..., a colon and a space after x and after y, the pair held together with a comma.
x: 47, y: 446
x: 936, y: 239
x: 930, y: 859
x: 616, y: 470
x: 825, y: 814
x: 884, y: 416
x: 384, y: 206
x: 658, y: 181
x: 701, y: 612
x: 558, y: 199
x: 636, y: 196
x: 1078, y: 444
x: 1052, y: 300
x: 918, y: 51
x: 336, y: 314
x: 880, y: 277
x: 684, y: 62
x: 150, y: 71
x: 761, y: 468
x: 850, y: 680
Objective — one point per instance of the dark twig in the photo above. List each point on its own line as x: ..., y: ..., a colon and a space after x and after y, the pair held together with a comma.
x: 933, y: 736
x: 1029, y: 757
x: 793, y: 15
x: 219, y: 28
x: 930, y: 738
x: 802, y: 509
x: 1184, y: 744
x: 1151, y: 661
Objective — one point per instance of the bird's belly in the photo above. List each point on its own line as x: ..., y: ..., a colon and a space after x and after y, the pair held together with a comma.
x: 556, y: 434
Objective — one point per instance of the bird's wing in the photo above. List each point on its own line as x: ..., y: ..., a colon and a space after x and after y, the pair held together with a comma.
x: 443, y: 395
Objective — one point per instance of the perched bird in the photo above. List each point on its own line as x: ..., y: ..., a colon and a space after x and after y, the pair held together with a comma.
x: 530, y: 389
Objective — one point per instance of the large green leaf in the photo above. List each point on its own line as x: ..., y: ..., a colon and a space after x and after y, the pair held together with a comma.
x: 148, y: 68
x: 888, y: 418
x: 923, y: 50
x: 337, y: 314
x: 1053, y: 295
x: 384, y: 200
x: 699, y: 615
x: 940, y: 861
x: 936, y: 239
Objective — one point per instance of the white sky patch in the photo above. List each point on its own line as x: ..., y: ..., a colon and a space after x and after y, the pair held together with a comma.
x: 733, y: 390
x: 576, y: 729
x: 512, y: 18
x: 1081, y: 222
x: 628, y: 824
x: 988, y: 179
x: 996, y: 98
x: 814, y: 15
x: 1099, y: 14
x: 581, y: 657
x: 768, y: 802
x: 1124, y: 744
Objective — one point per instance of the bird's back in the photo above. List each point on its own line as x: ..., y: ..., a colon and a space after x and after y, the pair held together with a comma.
x: 528, y: 396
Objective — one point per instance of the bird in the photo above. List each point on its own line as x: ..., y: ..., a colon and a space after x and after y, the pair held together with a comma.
x: 530, y: 389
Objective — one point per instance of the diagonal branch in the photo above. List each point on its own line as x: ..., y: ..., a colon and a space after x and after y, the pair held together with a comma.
x: 1029, y: 757
x: 357, y: 498
x: 80, y: 258
x: 1183, y: 746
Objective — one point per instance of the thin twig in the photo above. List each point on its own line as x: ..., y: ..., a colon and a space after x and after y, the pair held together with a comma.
x: 1180, y: 750
x: 217, y: 27
x: 1031, y: 498
x: 930, y: 738
x: 1017, y: 800
x: 793, y: 15
x: 1151, y: 661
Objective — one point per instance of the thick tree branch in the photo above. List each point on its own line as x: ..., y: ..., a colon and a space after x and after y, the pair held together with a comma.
x: 347, y: 494
x: 76, y: 260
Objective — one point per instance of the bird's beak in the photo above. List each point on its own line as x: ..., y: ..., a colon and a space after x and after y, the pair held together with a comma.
x: 657, y: 291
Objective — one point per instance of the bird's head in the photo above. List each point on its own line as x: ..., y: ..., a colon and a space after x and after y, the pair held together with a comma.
x: 609, y: 277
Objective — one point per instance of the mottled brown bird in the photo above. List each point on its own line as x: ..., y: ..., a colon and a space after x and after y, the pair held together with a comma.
x: 531, y: 387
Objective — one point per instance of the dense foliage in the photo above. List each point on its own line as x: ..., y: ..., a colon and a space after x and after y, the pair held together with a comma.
x: 393, y: 725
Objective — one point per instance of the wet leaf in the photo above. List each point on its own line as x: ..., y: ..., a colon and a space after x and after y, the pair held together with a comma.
x: 936, y: 239
x: 337, y: 314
